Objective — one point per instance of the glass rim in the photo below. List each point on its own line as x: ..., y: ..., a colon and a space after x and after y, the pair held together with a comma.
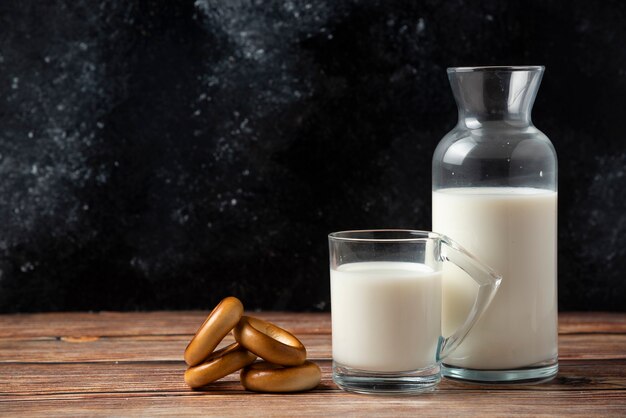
x: 412, y: 235
x: 496, y: 68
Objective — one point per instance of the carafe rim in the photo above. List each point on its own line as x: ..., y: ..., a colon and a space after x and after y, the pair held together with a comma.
x: 496, y: 68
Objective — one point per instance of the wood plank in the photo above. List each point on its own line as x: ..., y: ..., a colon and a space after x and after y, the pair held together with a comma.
x: 186, y: 322
x: 103, y: 364
x: 592, y: 322
x: 100, y: 324
x: 122, y: 349
x: 592, y: 346
x: 31, y: 381
x: 310, y: 404
x: 170, y: 348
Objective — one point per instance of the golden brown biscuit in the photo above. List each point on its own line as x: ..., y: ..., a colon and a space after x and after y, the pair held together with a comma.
x: 215, y: 327
x: 219, y: 364
x: 269, y: 342
x: 268, y: 377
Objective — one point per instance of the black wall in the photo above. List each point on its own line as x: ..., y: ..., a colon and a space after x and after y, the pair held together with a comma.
x: 165, y: 154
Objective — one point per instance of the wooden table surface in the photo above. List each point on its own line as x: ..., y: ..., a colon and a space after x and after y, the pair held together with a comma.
x: 128, y: 364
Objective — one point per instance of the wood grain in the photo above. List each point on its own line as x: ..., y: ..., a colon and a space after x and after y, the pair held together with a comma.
x: 187, y: 322
x: 592, y: 322
x: 171, y: 347
x: 312, y: 404
x: 130, y: 364
x: 140, y: 348
x: 114, y: 324
x: 30, y: 381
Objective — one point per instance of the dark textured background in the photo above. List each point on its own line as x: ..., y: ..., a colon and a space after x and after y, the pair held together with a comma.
x: 164, y: 154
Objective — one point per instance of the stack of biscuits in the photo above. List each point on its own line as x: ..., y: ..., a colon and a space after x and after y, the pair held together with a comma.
x: 283, y: 368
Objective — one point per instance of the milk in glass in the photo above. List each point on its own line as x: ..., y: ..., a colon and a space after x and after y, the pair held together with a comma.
x: 512, y: 229
x: 386, y: 316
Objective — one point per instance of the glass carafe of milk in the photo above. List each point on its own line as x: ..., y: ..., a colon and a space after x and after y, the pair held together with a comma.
x: 495, y: 192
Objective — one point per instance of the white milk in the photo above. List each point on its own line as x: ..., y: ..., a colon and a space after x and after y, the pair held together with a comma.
x: 513, y: 230
x: 386, y: 316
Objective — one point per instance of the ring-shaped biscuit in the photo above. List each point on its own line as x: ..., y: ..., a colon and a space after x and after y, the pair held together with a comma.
x: 268, y: 377
x: 219, y: 364
x: 269, y: 342
x: 220, y: 322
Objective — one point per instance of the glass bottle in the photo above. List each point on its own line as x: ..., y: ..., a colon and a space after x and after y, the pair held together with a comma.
x: 495, y: 192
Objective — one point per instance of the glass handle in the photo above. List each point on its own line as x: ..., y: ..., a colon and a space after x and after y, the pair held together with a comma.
x: 488, y: 282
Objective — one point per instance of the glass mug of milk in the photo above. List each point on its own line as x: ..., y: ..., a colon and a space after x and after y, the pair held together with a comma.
x: 386, y: 308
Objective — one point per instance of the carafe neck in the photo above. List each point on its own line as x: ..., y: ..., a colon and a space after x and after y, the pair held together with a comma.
x: 495, y: 95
